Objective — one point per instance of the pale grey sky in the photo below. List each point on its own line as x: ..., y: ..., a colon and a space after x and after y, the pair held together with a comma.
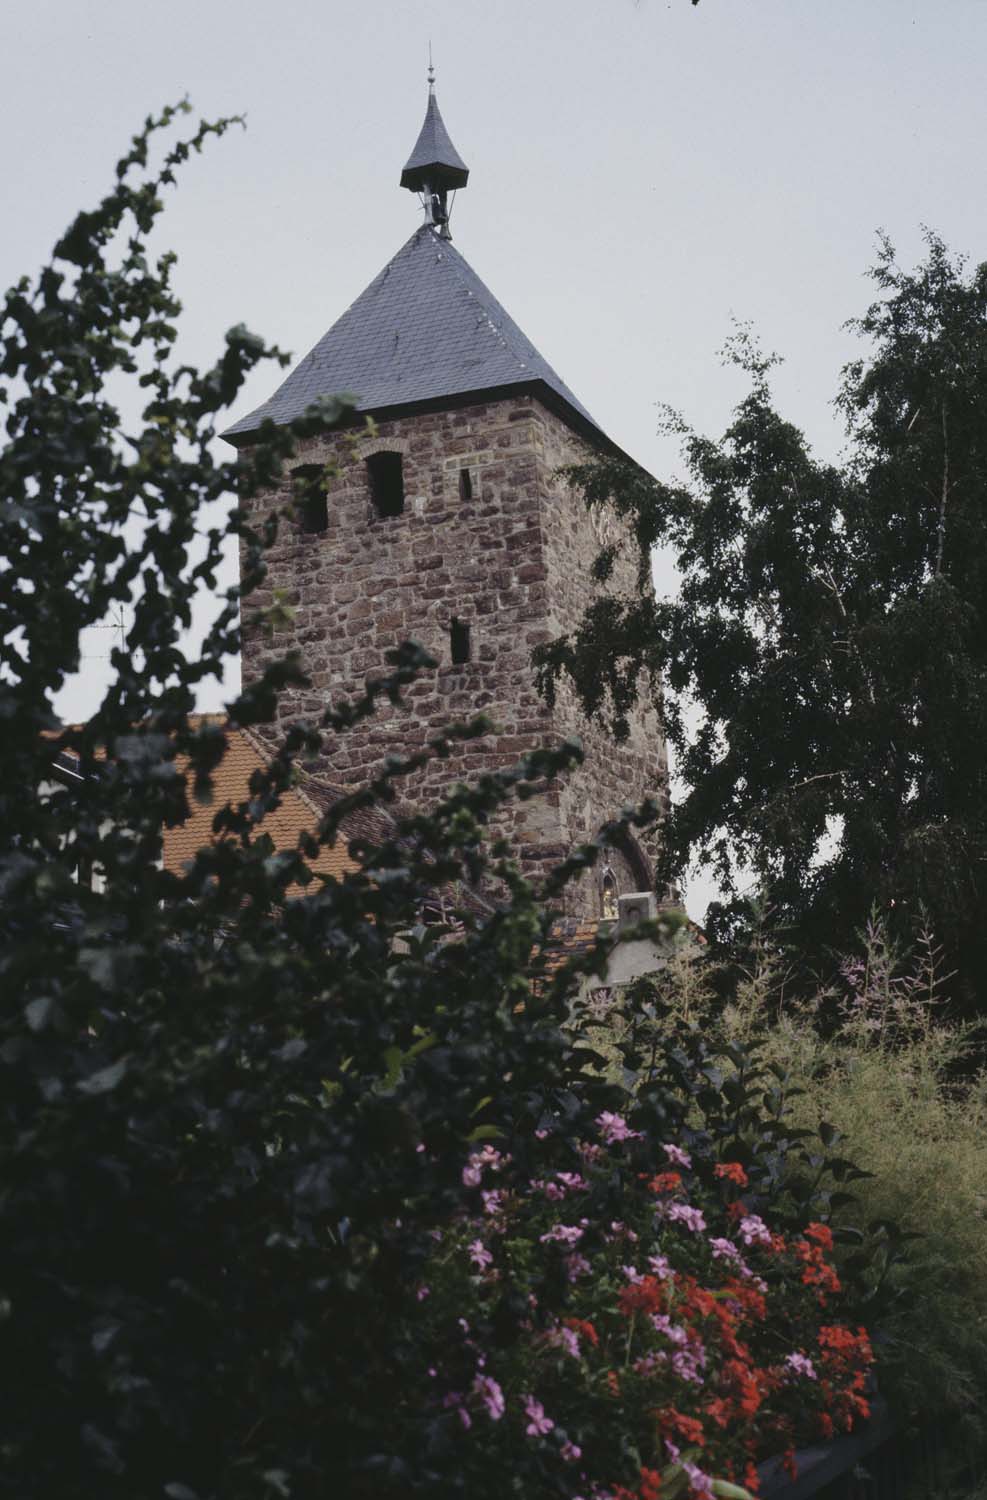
x: 641, y: 173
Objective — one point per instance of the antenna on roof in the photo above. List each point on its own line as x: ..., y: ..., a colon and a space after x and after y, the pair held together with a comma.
x: 431, y: 69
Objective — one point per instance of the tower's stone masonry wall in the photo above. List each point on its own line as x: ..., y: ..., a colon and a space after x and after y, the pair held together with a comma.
x: 612, y: 776
x: 512, y: 562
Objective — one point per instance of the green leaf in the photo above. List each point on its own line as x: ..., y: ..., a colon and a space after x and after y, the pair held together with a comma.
x: 106, y: 1079
x: 37, y: 1012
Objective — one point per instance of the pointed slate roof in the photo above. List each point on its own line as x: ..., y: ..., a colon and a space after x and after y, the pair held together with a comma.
x: 435, y: 159
x: 425, y: 329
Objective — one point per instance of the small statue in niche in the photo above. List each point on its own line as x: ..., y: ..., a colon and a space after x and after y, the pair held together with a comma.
x: 609, y: 898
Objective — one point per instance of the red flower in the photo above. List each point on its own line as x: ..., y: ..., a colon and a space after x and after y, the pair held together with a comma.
x: 716, y: 1410
x: 689, y: 1429
x: 821, y: 1233
x: 650, y: 1484
x: 746, y: 1389
x: 696, y: 1301
x: 666, y: 1182
x: 841, y: 1345
x: 731, y: 1171
x: 646, y: 1295
x: 815, y: 1270
x: 750, y: 1299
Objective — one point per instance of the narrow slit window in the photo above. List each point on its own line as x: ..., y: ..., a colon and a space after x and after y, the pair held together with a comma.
x: 311, y: 504
x: 465, y: 484
x: 459, y: 639
x: 386, y: 483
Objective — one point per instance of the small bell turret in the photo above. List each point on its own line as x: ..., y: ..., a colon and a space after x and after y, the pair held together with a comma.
x: 434, y: 168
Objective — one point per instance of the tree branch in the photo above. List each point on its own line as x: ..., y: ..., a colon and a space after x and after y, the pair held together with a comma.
x: 941, y: 537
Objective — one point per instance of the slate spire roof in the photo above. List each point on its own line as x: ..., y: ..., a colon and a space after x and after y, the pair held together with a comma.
x: 425, y: 330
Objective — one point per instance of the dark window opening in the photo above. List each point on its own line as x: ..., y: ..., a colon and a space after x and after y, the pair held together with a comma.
x: 386, y: 483
x: 459, y: 639
x: 311, y: 504
x: 465, y: 484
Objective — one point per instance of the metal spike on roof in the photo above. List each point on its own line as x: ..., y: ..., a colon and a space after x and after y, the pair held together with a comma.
x: 435, y: 162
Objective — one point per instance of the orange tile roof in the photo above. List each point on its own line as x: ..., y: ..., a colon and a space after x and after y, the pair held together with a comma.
x: 300, y: 810
x: 298, y: 813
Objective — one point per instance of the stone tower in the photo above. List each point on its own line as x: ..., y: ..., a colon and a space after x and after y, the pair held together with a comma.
x: 450, y: 526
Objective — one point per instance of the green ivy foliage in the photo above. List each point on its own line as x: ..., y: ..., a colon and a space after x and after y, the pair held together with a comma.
x: 823, y: 667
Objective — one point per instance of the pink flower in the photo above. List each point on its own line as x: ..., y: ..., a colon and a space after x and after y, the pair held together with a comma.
x: 491, y: 1395
x: 565, y: 1234
x: 576, y: 1265
x: 700, y: 1484
x: 689, y: 1362
x: 659, y: 1266
x: 421, y: 1292
x: 754, y: 1231
x: 571, y: 1182
x: 480, y: 1255
x: 614, y: 1128
x: 618, y: 1228
x: 538, y: 1423
x: 454, y: 1399
x: 799, y: 1364
x: 570, y: 1452
x: 564, y: 1338
x: 674, y: 1332
x: 691, y: 1218
x: 473, y: 1170
x: 632, y: 1276
x: 678, y: 1156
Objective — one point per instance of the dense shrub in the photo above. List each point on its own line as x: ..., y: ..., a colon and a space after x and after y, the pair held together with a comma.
x: 691, y: 1340
x: 879, y: 1059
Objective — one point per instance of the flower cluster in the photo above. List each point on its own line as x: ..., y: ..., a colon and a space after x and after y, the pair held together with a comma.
x: 689, y: 1331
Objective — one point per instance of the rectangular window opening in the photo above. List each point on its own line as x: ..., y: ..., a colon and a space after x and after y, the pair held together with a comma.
x: 465, y: 484
x: 311, y: 503
x: 459, y: 640
x: 386, y: 483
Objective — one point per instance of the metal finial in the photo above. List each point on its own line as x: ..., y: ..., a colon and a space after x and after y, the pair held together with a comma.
x: 431, y: 70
